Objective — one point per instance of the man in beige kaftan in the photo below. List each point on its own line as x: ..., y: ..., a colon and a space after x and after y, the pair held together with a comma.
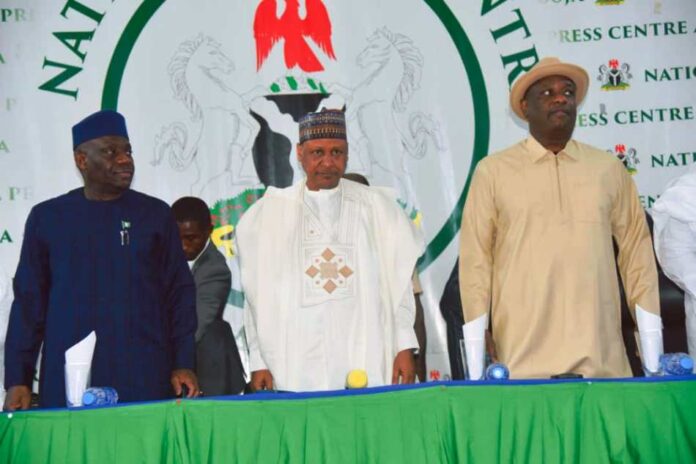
x: 536, y: 240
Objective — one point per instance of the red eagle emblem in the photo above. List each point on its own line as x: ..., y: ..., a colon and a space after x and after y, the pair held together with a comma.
x: 269, y: 29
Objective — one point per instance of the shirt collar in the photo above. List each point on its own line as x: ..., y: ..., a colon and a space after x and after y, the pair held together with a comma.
x: 322, y: 192
x: 537, y: 152
x: 193, y: 261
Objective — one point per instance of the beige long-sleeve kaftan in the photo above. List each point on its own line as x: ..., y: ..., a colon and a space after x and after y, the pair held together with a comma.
x: 536, y: 249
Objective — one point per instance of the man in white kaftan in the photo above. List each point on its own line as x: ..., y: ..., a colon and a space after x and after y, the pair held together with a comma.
x: 674, y: 217
x: 326, y: 269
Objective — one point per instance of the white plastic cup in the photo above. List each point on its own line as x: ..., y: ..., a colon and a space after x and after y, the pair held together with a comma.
x: 76, y: 380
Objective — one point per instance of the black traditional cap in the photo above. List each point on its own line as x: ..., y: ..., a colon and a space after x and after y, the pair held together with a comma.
x: 99, y: 124
x: 326, y: 124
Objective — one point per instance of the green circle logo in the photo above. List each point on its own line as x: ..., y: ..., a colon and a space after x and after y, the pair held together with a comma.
x: 469, y: 61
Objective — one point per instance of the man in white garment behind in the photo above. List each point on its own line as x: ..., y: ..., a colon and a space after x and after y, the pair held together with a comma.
x: 326, y: 271
x: 674, y: 217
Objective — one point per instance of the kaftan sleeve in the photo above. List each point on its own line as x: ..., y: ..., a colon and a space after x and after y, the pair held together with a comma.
x: 636, y: 259
x: 676, y: 250
x: 27, y: 321
x: 404, y: 319
x: 476, y: 241
x: 256, y: 362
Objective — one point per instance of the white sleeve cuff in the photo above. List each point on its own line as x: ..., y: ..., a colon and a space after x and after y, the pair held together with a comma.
x: 406, y: 339
x: 256, y: 362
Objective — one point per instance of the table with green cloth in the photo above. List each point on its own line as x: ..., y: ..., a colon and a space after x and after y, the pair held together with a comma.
x: 592, y: 421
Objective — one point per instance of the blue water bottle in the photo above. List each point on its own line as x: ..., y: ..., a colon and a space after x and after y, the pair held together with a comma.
x: 497, y: 371
x: 676, y: 364
x: 99, y: 396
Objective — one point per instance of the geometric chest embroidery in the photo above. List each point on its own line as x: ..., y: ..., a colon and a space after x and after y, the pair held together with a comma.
x: 329, y: 271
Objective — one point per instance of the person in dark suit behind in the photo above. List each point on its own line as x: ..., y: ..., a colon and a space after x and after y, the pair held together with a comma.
x: 218, y: 364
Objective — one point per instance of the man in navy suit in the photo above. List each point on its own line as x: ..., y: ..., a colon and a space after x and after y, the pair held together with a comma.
x: 107, y: 259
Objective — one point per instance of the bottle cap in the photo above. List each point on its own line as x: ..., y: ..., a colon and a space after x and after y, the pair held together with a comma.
x: 88, y: 398
x: 357, y: 378
x: 497, y: 371
x: 687, y: 363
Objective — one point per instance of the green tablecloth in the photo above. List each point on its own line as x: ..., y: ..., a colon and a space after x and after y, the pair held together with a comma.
x: 592, y: 422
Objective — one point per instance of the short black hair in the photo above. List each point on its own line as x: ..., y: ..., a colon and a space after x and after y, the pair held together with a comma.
x: 192, y: 209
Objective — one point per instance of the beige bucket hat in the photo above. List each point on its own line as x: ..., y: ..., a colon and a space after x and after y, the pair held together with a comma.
x: 550, y: 66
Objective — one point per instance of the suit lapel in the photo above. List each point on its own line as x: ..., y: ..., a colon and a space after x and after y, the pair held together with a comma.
x: 202, y: 258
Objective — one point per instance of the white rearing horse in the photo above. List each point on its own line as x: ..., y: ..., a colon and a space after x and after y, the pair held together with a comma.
x: 222, y: 130
x: 395, y: 67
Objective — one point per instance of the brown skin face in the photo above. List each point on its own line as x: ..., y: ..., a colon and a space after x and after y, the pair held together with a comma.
x: 551, y: 108
x: 106, y: 165
x: 324, y: 161
x: 194, y: 236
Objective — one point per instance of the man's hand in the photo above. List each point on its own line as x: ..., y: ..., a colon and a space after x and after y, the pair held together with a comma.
x: 490, y: 347
x: 404, y: 368
x: 185, y: 377
x: 18, y: 397
x: 261, y: 380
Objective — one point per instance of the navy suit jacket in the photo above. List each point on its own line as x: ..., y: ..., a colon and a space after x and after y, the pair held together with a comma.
x: 115, y: 267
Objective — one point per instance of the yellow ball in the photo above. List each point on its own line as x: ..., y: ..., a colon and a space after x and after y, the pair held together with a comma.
x: 357, y: 378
